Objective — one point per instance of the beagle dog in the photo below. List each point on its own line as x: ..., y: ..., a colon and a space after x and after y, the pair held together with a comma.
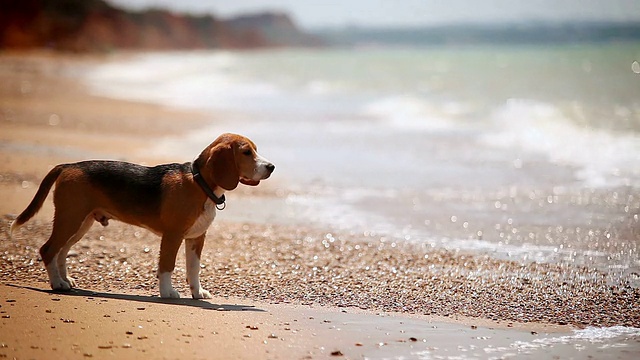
x: 174, y: 201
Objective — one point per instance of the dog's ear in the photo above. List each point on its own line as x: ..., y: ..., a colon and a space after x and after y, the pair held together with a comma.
x: 221, y: 165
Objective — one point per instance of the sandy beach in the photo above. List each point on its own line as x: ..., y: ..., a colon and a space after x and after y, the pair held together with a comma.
x: 281, y: 290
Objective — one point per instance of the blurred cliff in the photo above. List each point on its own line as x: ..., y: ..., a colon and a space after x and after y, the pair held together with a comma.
x: 95, y: 25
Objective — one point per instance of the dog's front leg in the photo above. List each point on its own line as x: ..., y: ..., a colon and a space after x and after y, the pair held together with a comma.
x: 168, y: 251
x: 193, y: 250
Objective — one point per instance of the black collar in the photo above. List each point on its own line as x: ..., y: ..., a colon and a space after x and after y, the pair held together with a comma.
x: 203, y: 185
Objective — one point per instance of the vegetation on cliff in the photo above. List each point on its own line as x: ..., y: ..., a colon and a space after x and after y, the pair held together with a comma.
x: 95, y: 25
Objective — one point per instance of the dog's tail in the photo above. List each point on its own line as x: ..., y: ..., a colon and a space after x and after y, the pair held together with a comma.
x: 38, y: 199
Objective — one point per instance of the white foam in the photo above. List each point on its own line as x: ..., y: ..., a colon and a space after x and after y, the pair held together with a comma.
x: 602, y: 158
x: 614, y: 336
x: 203, y: 80
x: 586, y: 343
x: 524, y: 252
x: 153, y: 77
x: 405, y: 112
x: 321, y: 87
x: 596, y: 333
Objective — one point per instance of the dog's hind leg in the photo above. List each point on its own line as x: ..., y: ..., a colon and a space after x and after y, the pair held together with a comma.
x: 65, y: 227
x: 62, y: 255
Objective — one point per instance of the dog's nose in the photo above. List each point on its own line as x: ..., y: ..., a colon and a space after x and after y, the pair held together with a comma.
x: 271, y: 167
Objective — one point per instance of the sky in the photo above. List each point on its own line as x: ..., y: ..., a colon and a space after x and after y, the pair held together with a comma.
x: 397, y: 13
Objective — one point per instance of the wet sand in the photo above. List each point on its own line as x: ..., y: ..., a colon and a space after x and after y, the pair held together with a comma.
x: 318, y: 291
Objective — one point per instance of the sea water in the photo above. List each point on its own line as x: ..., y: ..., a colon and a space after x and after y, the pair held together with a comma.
x: 530, y: 153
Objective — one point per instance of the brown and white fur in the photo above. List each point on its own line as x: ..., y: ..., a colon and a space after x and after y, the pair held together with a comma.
x: 166, y: 199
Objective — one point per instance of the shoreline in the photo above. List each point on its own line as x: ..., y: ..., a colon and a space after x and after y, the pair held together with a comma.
x: 96, y: 324
x: 56, y: 121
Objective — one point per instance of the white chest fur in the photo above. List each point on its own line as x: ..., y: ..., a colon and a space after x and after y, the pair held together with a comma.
x: 203, y: 221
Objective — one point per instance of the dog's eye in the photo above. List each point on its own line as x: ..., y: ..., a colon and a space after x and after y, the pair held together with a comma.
x: 247, y: 152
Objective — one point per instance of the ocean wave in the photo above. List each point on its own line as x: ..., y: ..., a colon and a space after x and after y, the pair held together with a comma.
x: 602, y: 158
x: 203, y: 80
x: 408, y: 112
x: 224, y: 80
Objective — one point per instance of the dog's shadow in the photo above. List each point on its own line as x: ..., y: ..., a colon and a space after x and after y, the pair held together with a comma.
x: 202, y: 304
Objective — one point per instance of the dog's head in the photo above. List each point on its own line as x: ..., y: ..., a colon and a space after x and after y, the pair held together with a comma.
x: 231, y: 159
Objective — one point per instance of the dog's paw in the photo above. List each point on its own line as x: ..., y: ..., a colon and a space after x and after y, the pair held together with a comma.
x: 60, y: 285
x: 169, y: 294
x: 201, y: 294
x: 166, y: 290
